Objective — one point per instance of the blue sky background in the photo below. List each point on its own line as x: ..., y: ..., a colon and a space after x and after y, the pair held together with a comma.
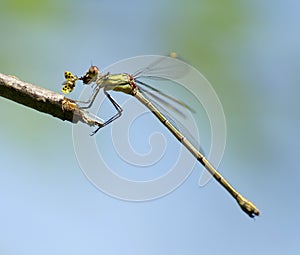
x: 248, y: 50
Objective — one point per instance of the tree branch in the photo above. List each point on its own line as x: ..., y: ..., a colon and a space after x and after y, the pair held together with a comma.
x: 43, y: 100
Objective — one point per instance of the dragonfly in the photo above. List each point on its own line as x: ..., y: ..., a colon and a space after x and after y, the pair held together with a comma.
x: 131, y: 84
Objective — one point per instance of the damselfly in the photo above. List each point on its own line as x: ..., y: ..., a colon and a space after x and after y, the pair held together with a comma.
x: 132, y: 85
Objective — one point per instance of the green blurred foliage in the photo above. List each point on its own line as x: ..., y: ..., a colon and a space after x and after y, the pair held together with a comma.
x: 205, y: 31
x: 31, y: 9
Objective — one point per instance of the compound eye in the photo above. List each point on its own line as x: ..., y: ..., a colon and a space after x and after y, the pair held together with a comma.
x: 93, y: 70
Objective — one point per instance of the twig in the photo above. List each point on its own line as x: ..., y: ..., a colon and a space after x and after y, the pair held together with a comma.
x: 43, y: 100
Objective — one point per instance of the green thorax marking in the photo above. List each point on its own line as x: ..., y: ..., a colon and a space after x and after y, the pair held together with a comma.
x: 119, y: 82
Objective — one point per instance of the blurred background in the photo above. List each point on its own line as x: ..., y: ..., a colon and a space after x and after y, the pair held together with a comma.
x: 248, y: 50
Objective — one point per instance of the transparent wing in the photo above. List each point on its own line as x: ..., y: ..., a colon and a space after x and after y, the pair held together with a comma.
x: 160, y: 105
x: 163, y: 95
x: 162, y: 67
